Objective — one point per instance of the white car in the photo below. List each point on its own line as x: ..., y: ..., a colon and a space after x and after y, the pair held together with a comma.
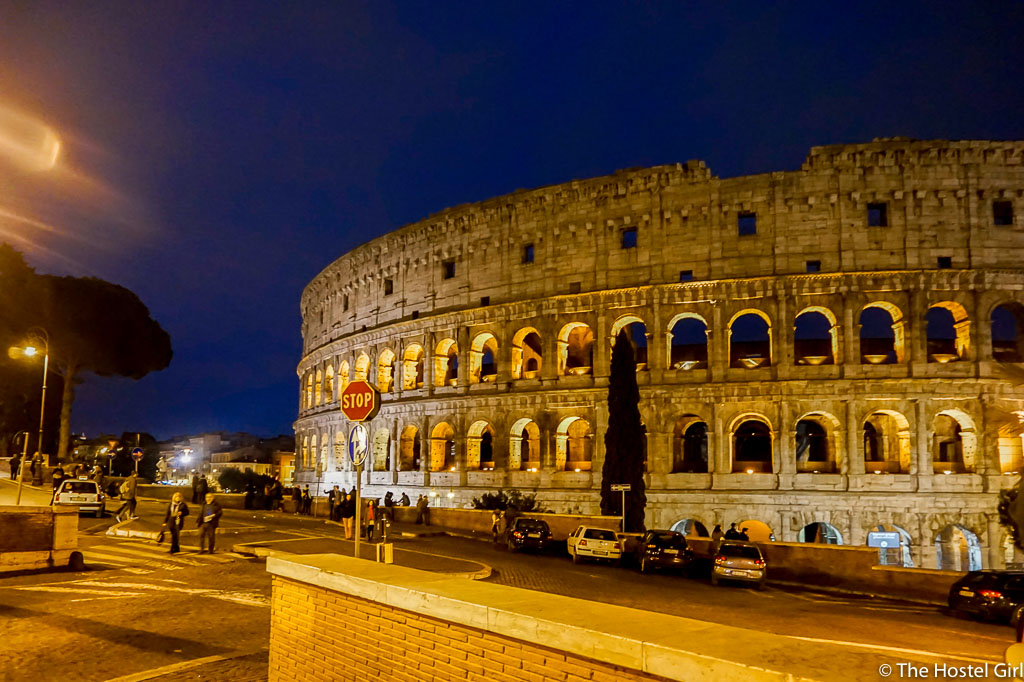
x: 740, y: 561
x: 595, y: 543
x: 82, y: 493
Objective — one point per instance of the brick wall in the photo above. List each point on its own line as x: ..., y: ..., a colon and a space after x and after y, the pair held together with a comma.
x: 319, y: 634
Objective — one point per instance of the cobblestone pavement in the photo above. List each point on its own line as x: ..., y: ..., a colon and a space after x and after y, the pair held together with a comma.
x: 251, y: 668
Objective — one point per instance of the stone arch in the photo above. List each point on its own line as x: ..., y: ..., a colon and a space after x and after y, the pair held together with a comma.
x: 446, y: 363
x: 750, y: 339
x: 757, y: 531
x: 480, y: 446
x: 329, y: 395
x: 882, y: 340
x: 576, y: 349
x: 817, y: 443
x: 886, y: 443
x: 636, y: 330
x: 573, y: 445
x: 691, y: 528
x: 816, y: 336
x: 381, y: 450
x: 957, y: 549
x: 311, y: 453
x: 343, y: 376
x: 309, y: 390
x: 820, y: 532
x: 896, y: 556
x: 362, y: 371
x: 955, y: 443
x: 340, y: 454
x: 304, y: 455
x: 690, y: 446
x: 483, y: 358
x: 687, y: 342
x: 317, y: 386
x: 325, y: 444
x: 947, y: 332
x: 1007, y: 330
x: 386, y: 370
x: 412, y: 367
x: 524, y: 445
x: 442, y: 447
x: 753, y: 441
x: 527, y: 354
x: 409, y: 449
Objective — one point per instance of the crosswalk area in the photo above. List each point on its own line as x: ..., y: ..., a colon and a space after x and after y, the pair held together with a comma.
x: 143, y: 557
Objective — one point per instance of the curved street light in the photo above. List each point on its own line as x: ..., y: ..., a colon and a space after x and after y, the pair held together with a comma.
x: 38, y: 342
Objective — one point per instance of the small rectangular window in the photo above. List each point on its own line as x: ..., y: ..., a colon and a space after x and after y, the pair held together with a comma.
x: 346, y: 301
x: 878, y: 215
x: 1002, y: 213
x: 945, y: 262
x: 485, y: 300
x: 528, y: 253
x: 574, y: 287
x: 415, y: 314
x: 629, y: 238
x: 448, y: 269
x: 685, y: 275
x: 813, y: 266
x: 746, y: 224
x: 389, y: 287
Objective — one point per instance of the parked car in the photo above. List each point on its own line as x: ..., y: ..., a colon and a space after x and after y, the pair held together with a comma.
x: 991, y: 595
x: 662, y: 549
x: 595, y: 543
x: 82, y: 493
x: 741, y: 561
x: 527, y: 533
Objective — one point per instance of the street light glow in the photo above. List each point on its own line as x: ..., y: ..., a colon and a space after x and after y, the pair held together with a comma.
x: 30, y: 351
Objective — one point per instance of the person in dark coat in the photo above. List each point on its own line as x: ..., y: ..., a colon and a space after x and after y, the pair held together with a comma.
x: 15, y: 465
x: 297, y: 499
x: 307, y: 501
x: 404, y: 500
x: 202, y: 488
x: 58, y: 477
x: 207, y: 521
x: 732, y: 533
x: 348, y: 514
x: 195, y: 488
x: 174, y: 520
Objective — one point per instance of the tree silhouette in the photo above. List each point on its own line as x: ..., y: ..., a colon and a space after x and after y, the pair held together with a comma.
x: 624, y: 439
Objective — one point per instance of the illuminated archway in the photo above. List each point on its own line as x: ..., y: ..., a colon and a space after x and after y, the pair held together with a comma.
x: 446, y: 363
x: 820, y: 532
x: 636, y: 330
x: 955, y: 443
x: 480, y: 446
x: 691, y: 528
x: 688, y: 342
x: 573, y: 447
x: 527, y: 354
x: 757, y: 531
x: 957, y: 549
x: 309, y: 390
x: 442, y: 448
x: 752, y: 443
x: 750, y: 339
x: 1007, y: 327
x: 409, y: 449
x: 316, y: 387
x: 412, y: 367
x: 882, y: 334
x: 948, y: 332
x: 816, y: 337
x: 816, y: 443
x: 362, y: 372
x: 886, y: 438
x: 690, y: 446
x: 343, y: 376
x: 575, y: 349
x: 386, y: 370
x: 483, y: 358
x: 329, y: 384
x: 524, y: 446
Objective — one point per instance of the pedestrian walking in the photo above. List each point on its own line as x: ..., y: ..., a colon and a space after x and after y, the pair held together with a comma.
x: 419, y: 509
x: 307, y: 502
x: 743, y: 535
x: 128, y: 490
x: 371, y: 507
x: 15, y: 466
x: 348, y: 515
x: 174, y: 520
x: 208, y: 520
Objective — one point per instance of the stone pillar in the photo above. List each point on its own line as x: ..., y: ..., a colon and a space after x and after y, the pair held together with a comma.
x: 924, y: 440
x: 602, y: 348
x: 720, y: 439
x: 465, y: 360
x: 504, y: 359
x: 428, y: 362
x: 854, y: 460
x: 718, y: 346
x: 659, y: 451
x: 785, y: 452
x: 995, y: 558
x: 549, y: 346
x: 851, y: 339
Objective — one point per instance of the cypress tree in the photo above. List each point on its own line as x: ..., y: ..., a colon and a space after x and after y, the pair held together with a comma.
x: 624, y: 439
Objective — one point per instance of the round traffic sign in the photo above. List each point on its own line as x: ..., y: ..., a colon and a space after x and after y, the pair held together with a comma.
x: 360, y: 401
x: 137, y: 454
x: 358, y: 444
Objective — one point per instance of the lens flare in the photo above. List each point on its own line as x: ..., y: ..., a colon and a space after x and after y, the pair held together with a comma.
x: 27, y: 142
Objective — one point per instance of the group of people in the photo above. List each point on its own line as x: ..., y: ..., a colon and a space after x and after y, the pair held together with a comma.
x: 303, y: 500
x: 731, y: 534
x: 207, y: 520
x: 269, y: 496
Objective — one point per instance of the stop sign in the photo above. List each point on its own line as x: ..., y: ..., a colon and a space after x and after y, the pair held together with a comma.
x: 360, y: 401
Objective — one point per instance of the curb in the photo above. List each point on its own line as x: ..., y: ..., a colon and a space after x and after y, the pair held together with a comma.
x: 118, y: 530
x: 857, y: 593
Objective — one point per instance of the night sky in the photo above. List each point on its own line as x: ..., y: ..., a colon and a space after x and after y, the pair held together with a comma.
x: 218, y: 155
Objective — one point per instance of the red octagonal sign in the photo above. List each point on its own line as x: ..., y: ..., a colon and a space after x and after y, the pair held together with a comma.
x: 360, y: 401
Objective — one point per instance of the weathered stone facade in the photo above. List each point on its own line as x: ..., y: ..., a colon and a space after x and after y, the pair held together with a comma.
x: 489, y: 326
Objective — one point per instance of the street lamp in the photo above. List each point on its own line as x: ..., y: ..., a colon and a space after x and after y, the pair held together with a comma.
x: 36, y: 336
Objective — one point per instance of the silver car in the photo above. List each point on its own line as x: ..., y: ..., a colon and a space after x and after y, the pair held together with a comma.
x: 81, y: 493
x: 739, y: 561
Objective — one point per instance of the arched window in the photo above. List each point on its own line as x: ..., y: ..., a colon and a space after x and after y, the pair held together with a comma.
x: 816, y: 443
x: 316, y: 387
x: 311, y: 453
x: 412, y: 367
x: 886, y: 443
x: 340, y: 455
x: 343, y: 376
x: 820, y: 532
x: 409, y: 449
x: 1008, y: 332
x: 329, y: 385
x: 573, y: 445
x: 526, y: 354
x: 386, y: 370
x: 304, y: 455
x: 750, y: 341
x: 442, y: 448
x: 381, y: 450
x: 690, y: 446
x: 362, y: 372
x: 957, y: 549
x: 688, y: 348
x: 636, y: 330
x: 815, y: 337
x: 309, y: 390
x: 480, y: 446
x: 752, y: 447
x: 446, y: 363
x: 483, y: 353
x: 575, y: 349
x: 881, y: 334
x: 948, y: 332
x: 524, y: 446
x: 956, y: 443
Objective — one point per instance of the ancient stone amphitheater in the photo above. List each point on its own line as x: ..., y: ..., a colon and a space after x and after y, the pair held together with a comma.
x: 822, y: 353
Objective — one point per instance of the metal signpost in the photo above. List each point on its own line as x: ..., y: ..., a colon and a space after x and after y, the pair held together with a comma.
x: 623, y: 488
x: 137, y: 456
x: 24, y: 464
x: 887, y: 541
x: 360, y: 401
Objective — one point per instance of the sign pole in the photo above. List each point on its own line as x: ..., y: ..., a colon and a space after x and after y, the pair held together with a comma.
x: 623, y: 510
x: 21, y: 469
x: 359, y: 505
x: 360, y: 402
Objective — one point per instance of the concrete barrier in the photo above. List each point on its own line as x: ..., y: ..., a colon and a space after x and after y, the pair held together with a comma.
x: 37, y: 537
x: 479, y: 520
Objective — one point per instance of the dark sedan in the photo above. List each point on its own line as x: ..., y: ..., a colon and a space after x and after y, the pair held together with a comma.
x: 992, y: 595
x: 528, y: 533
x: 662, y: 549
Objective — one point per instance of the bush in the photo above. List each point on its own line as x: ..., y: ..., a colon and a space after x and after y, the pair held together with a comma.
x: 232, y: 481
x: 513, y: 501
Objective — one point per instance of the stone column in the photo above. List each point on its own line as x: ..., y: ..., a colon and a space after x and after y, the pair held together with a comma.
x: 854, y: 460
x: 465, y: 359
x: 924, y: 440
x: 784, y: 448
x: 549, y: 344
x: 995, y: 558
x: 720, y: 439
x: 718, y: 346
x: 602, y: 349
x: 428, y: 362
x: 851, y: 339
x: 504, y: 359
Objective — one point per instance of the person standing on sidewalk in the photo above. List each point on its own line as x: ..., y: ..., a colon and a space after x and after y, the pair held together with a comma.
x: 307, y: 501
x: 58, y: 477
x: 208, y: 520
x: 15, y: 465
x: 348, y: 514
x: 334, y: 500
x: 174, y: 520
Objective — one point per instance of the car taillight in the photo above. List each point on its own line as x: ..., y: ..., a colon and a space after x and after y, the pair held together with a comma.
x: 517, y: 534
x: 615, y: 545
x: 652, y: 546
x: 583, y: 543
x: 720, y: 559
x: 759, y: 562
x: 991, y: 594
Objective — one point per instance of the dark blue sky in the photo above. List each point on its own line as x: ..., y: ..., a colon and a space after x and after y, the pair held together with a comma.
x: 224, y: 153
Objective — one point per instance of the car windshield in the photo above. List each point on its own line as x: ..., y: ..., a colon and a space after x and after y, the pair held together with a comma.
x: 599, y: 534
x: 740, y: 551
x: 668, y: 540
x: 531, y: 525
x: 79, y: 487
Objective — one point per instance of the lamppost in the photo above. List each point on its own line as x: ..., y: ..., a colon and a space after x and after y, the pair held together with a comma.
x: 36, y: 336
x: 24, y: 463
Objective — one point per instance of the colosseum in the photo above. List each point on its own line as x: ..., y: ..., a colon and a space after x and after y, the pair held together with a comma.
x: 822, y: 353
